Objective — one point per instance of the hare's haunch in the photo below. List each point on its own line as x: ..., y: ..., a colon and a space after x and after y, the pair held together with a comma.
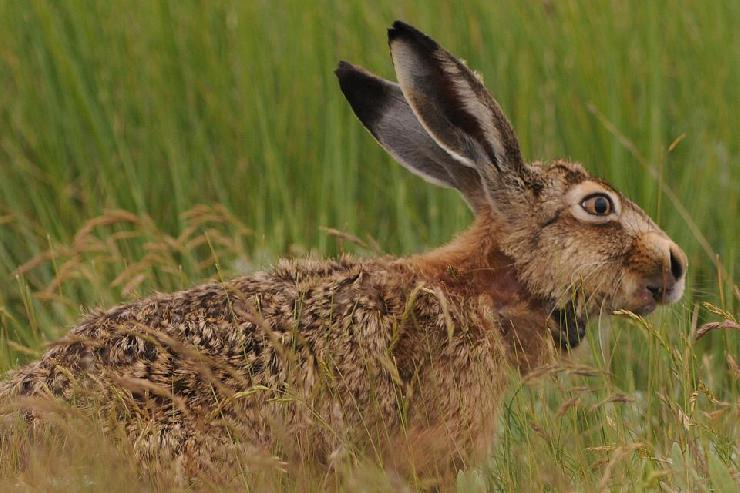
x: 402, y: 357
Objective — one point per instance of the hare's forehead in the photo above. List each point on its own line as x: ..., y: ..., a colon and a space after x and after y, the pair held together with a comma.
x: 564, y: 171
x: 561, y: 176
x: 572, y: 177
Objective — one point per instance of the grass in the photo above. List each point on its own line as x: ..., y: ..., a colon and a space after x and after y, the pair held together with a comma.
x: 150, y: 145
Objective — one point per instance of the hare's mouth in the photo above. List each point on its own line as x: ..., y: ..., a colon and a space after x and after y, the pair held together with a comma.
x: 644, y: 295
x: 646, y: 299
x: 649, y: 296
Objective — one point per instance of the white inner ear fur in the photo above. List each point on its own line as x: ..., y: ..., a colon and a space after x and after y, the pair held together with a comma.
x: 477, y: 108
x: 577, y: 193
x: 408, y: 66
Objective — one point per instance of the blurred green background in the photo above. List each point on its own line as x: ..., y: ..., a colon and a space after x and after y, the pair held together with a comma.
x: 156, y: 107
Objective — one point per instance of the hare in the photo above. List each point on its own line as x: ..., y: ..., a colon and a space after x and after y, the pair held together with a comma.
x: 400, y: 358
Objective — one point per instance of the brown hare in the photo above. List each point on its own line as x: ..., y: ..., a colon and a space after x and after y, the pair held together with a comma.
x: 400, y: 358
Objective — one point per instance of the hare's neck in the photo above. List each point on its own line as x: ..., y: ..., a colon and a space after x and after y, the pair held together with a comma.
x: 474, y: 264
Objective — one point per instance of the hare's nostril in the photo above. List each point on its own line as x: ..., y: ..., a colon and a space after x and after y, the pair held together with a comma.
x: 676, y: 266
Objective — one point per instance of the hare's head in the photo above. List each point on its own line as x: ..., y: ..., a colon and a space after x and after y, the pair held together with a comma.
x: 573, y: 238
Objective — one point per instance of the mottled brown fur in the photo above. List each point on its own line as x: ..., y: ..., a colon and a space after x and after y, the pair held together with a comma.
x: 327, y: 352
x: 401, y: 359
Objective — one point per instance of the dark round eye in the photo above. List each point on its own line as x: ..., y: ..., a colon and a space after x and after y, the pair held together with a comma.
x: 598, y: 205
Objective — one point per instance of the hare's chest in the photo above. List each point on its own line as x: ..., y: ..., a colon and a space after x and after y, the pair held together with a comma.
x: 459, y: 390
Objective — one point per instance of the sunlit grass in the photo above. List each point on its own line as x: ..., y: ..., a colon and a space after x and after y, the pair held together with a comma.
x: 118, y: 119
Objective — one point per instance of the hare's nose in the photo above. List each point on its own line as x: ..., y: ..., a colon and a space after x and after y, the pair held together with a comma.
x: 668, y: 283
x: 677, y: 261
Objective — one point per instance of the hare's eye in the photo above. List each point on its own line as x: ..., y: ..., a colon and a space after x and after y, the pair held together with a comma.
x: 598, y: 205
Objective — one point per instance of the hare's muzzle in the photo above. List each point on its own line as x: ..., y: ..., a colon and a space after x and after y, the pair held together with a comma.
x: 666, y: 282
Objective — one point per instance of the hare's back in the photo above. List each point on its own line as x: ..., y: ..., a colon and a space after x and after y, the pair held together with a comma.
x: 227, y: 336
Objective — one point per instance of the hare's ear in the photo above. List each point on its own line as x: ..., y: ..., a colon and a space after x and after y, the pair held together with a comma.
x: 455, y: 108
x: 382, y: 109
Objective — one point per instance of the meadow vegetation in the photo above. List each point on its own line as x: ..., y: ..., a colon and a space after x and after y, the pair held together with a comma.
x: 148, y: 146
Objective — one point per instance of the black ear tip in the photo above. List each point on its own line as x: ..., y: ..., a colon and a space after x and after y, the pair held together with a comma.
x: 342, y: 69
x: 349, y: 74
x: 398, y: 28
x: 366, y: 94
x: 401, y: 30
